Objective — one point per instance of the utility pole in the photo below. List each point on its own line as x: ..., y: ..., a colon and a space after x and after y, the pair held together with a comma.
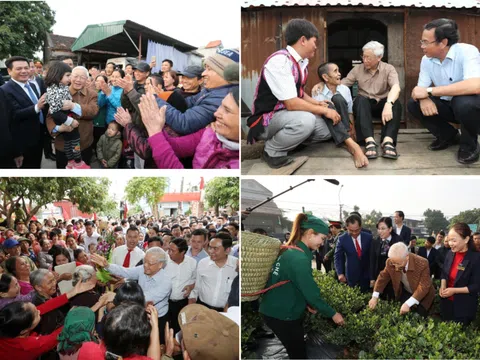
x: 340, y: 203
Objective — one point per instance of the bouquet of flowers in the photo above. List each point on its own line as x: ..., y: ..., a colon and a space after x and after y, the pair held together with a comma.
x: 105, y: 248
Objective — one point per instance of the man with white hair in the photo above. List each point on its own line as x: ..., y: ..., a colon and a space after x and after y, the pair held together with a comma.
x: 84, y: 108
x: 378, y: 92
x: 152, y: 278
x: 411, y: 280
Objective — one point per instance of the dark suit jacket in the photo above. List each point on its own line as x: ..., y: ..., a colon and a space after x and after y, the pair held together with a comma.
x: 405, y: 234
x: 357, y: 271
x: 433, y: 258
x: 376, y: 263
x: 8, y: 149
x: 464, y: 305
x: 26, y: 126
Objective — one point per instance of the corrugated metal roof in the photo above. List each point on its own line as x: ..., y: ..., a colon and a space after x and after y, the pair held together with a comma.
x: 93, y: 35
x: 376, y: 3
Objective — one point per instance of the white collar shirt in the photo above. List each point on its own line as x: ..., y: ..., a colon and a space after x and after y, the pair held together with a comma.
x: 359, y: 238
x: 87, y: 240
x: 182, y: 274
x: 118, y: 256
x: 213, y: 284
x: 201, y: 255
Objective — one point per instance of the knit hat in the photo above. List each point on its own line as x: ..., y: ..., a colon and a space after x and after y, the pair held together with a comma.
x: 226, y: 64
x: 208, y: 334
x: 77, y: 329
x: 316, y: 224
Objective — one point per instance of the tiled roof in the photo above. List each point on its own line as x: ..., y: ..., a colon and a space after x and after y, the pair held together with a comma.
x: 376, y: 3
x: 187, y: 197
x: 213, y: 44
x: 60, y: 42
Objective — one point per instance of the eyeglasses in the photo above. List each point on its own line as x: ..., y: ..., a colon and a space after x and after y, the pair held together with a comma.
x: 75, y: 77
x: 426, y: 43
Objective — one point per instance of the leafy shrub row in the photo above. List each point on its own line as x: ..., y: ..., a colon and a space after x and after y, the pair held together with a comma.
x: 381, y: 333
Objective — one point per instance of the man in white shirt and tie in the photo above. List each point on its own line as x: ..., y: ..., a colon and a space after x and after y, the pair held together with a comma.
x: 215, y: 274
x: 128, y: 255
x: 183, y: 272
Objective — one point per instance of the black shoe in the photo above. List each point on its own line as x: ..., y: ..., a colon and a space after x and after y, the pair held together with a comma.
x: 51, y: 157
x: 468, y: 157
x: 277, y: 161
x: 439, y: 144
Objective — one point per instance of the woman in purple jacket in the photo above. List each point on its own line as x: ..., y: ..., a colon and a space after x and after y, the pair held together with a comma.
x: 214, y: 147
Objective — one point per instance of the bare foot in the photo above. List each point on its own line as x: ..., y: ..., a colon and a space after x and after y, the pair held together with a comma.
x: 360, y: 159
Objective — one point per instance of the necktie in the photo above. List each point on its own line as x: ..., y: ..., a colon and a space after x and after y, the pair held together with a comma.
x: 34, y: 100
x: 359, y: 250
x: 126, y: 262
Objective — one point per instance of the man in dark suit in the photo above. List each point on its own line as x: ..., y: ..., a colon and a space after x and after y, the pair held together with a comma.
x: 412, y: 246
x: 402, y: 230
x: 27, y: 108
x: 37, y: 82
x: 431, y: 254
x: 8, y: 149
x: 352, y: 255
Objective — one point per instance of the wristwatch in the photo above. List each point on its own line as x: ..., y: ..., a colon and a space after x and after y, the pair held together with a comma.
x: 429, y: 91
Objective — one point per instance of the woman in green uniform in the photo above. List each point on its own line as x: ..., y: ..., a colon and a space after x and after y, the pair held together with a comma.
x: 283, y: 307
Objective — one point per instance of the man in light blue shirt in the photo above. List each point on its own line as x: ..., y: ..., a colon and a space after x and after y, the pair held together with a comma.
x: 448, y: 90
x: 152, y: 278
x: 330, y: 89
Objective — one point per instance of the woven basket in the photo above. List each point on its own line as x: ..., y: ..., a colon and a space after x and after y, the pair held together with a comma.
x: 258, y: 254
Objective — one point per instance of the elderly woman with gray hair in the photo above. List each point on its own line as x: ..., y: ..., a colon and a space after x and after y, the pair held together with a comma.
x: 152, y: 278
x: 378, y: 93
x: 410, y: 278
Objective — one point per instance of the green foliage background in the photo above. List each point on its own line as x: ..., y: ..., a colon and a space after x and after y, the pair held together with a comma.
x: 23, y: 27
x: 379, y: 334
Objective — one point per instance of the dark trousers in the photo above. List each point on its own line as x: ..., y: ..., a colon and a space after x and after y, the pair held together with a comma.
x: 340, y: 131
x: 463, y: 110
x: 364, y: 109
x: 448, y: 314
x: 47, y: 141
x: 62, y: 158
x: 32, y: 156
x: 72, y: 145
x: 419, y: 308
x: 327, y: 264
x: 209, y: 306
x: 174, y: 308
x: 290, y: 333
x: 161, y: 327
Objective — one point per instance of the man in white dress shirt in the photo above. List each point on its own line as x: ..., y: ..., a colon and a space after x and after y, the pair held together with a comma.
x: 196, y: 249
x: 215, y: 274
x: 152, y: 277
x: 90, y: 236
x: 330, y: 89
x: 128, y: 255
x: 183, y: 271
x: 447, y: 90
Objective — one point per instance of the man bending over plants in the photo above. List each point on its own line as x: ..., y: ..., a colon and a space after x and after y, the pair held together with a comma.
x: 411, y: 280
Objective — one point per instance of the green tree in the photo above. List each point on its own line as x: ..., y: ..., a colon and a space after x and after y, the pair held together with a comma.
x: 435, y: 220
x: 467, y: 216
x: 370, y: 221
x: 223, y: 191
x: 23, y: 27
x: 151, y: 189
x: 27, y: 195
x: 110, y: 208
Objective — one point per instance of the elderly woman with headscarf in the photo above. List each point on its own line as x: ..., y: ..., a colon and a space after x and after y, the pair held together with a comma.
x: 79, y: 328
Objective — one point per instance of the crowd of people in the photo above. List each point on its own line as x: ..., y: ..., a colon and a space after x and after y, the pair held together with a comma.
x: 389, y: 265
x: 122, y: 118
x: 285, y: 116
x: 140, y: 288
